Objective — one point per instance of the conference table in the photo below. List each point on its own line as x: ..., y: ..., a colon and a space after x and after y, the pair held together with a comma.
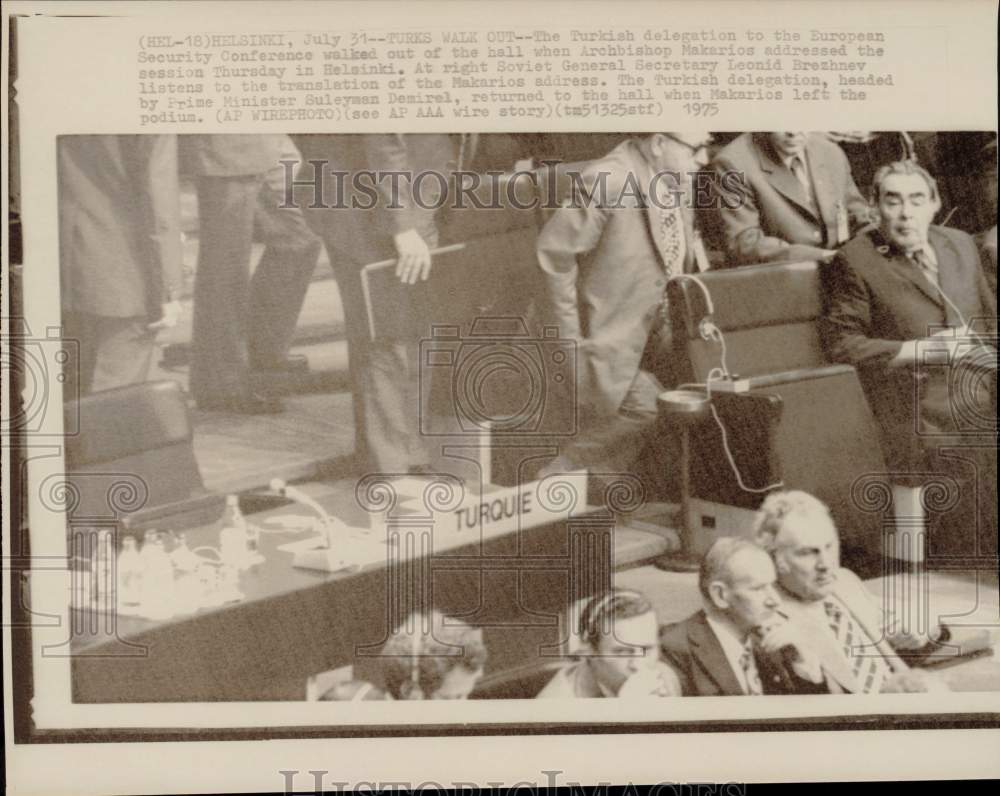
x: 294, y: 623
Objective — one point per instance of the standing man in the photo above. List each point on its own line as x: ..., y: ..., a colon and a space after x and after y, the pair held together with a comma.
x: 606, y: 255
x: 243, y: 327
x: 900, y: 300
x: 829, y: 604
x: 739, y: 644
x: 360, y: 195
x: 786, y: 197
x: 119, y: 254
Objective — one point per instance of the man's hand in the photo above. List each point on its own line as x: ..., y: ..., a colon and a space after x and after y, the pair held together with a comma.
x: 170, y: 313
x: 414, y: 257
x: 910, y: 640
x: 914, y: 681
x: 783, y: 639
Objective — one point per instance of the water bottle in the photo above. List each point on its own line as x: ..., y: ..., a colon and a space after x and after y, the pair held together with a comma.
x: 233, y: 536
x: 129, y: 575
x: 157, y: 600
x: 187, y: 588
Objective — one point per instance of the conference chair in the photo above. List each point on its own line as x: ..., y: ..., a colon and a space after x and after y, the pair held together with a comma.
x: 801, y: 423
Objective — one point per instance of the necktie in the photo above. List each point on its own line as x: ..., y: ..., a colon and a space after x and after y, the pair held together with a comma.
x: 870, y: 670
x: 802, y: 175
x: 671, y: 240
x: 926, y: 265
x: 749, y: 666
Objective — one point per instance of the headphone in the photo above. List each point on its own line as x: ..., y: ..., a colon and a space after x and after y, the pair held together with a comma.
x: 592, y: 616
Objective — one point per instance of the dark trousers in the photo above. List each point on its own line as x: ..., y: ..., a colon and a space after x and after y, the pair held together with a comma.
x: 384, y: 381
x: 242, y: 323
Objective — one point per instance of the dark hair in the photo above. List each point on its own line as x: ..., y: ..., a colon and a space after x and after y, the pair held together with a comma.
x: 903, y: 167
x: 424, y: 648
x: 596, y: 616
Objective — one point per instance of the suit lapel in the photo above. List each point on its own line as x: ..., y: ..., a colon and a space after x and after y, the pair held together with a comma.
x: 782, y: 180
x: 708, y: 653
x: 652, y: 214
x: 911, y: 272
x: 823, y: 187
x: 949, y: 264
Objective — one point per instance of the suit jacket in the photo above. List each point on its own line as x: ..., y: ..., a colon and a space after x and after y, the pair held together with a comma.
x: 230, y: 155
x: 357, y: 219
x: 773, y: 219
x: 119, y: 224
x: 693, y: 650
x: 875, y: 299
x: 605, y: 274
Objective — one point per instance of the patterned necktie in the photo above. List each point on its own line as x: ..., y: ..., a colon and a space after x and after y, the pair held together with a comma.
x: 671, y: 240
x: 869, y: 670
x: 749, y: 666
x: 926, y: 265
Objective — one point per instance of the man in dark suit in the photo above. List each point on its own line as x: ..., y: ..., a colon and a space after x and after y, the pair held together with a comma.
x: 362, y: 223
x: 909, y: 305
x: 738, y: 643
x: 243, y: 327
x: 786, y: 196
x: 119, y: 254
x: 606, y: 255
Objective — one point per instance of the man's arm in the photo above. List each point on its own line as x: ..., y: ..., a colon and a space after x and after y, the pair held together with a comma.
x: 746, y: 242
x: 845, y: 328
x: 574, y: 229
x: 388, y: 155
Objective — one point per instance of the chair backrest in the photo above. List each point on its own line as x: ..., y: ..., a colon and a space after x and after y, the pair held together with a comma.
x: 767, y: 314
x: 141, y: 433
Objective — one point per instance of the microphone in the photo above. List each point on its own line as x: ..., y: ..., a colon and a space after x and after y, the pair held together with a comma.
x: 297, y: 496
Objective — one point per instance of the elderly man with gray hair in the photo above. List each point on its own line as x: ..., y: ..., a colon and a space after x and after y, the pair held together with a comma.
x: 739, y: 643
x: 855, y: 640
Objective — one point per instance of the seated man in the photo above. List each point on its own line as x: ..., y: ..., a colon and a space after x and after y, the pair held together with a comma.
x: 831, y: 606
x: 786, y: 197
x: 429, y: 656
x: 739, y: 644
x: 620, y: 657
x: 908, y: 304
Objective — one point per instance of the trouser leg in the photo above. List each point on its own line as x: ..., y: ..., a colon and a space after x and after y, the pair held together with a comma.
x: 279, y: 284
x: 612, y: 446
x: 226, y: 207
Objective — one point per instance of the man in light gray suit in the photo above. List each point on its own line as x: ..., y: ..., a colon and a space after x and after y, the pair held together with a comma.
x: 606, y: 255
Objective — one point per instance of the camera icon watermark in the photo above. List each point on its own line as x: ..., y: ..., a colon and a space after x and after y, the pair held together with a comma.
x: 33, y: 364
x: 502, y: 378
x: 957, y: 369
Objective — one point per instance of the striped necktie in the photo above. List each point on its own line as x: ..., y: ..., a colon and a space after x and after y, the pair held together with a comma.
x: 869, y: 668
x: 748, y: 665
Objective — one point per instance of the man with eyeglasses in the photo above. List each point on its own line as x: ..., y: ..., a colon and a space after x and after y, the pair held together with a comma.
x: 786, y: 196
x: 606, y: 255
